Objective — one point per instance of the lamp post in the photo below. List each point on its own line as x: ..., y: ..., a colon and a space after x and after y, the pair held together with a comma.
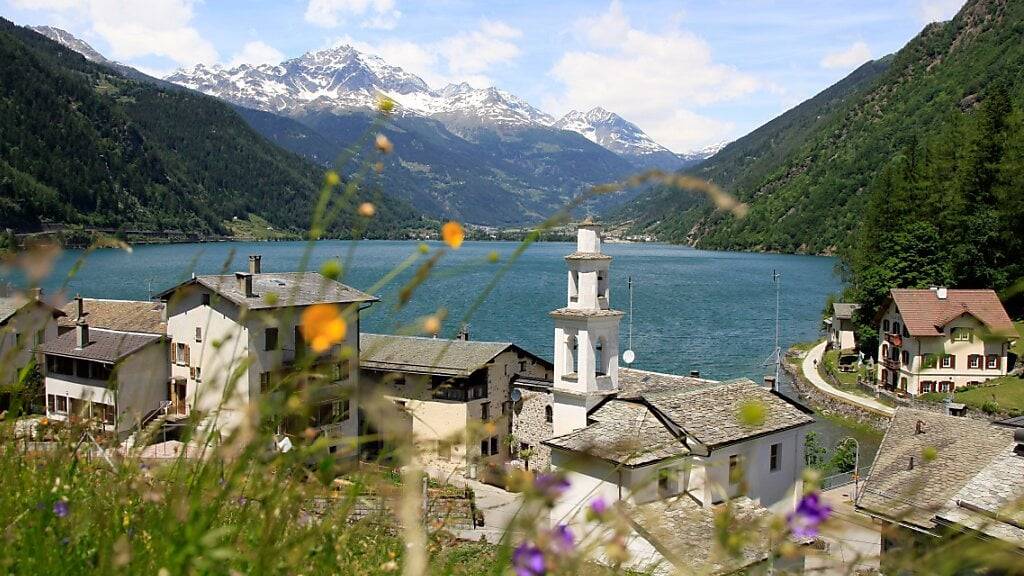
x: 856, y: 463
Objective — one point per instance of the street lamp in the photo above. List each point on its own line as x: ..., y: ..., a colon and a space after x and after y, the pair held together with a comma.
x: 856, y: 462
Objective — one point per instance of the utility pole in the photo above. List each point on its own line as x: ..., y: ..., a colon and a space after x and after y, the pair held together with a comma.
x: 778, y: 351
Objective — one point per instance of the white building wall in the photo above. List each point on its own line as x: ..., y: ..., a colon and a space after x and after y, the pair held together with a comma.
x: 24, y: 325
x: 589, y: 479
x: 141, y: 384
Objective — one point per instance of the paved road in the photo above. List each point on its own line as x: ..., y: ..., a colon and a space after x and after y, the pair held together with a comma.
x: 498, y: 506
x: 854, y: 541
x: 810, y: 368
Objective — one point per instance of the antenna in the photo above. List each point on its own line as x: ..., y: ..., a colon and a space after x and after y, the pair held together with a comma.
x: 629, y: 356
x: 778, y: 351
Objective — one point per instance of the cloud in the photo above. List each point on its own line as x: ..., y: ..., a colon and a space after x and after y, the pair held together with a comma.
x: 929, y: 11
x: 256, y: 52
x: 380, y: 14
x: 654, y: 80
x: 136, y: 28
x: 853, y: 55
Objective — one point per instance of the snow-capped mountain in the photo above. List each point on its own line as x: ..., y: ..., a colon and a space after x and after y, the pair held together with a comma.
x: 70, y: 41
x: 701, y: 154
x: 621, y: 136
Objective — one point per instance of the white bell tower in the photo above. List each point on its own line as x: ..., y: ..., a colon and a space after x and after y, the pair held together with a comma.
x: 586, y: 334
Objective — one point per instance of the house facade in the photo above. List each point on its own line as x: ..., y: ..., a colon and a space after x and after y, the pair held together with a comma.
x: 454, y: 396
x: 26, y: 321
x: 235, y: 339
x: 839, y: 327
x: 938, y: 340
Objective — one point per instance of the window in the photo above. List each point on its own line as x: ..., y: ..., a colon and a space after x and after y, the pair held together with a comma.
x: 599, y: 357
x: 948, y: 361
x: 494, y: 445
x: 928, y: 360
x: 549, y: 414
x: 62, y: 404
x: 885, y: 325
x: 906, y: 333
x: 905, y: 358
x: 485, y: 411
x: 896, y: 328
x: 962, y: 334
x: 945, y: 386
x: 270, y: 339
x: 775, y: 458
x: 265, y: 381
x: 667, y: 481
x: 483, y: 448
x: 51, y: 403
x: 204, y: 299
x: 992, y: 362
x: 109, y: 416
x: 974, y: 361
x: 735, y: 469
x: 102, y: 371
x: 197, y: 374
x: 182, y: 355
x: 903, y: 383
x: 885, y: 350
x: 199, y: 334
x: 40, y: 337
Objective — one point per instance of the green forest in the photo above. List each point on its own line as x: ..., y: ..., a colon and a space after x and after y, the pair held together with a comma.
x: 82, y: 145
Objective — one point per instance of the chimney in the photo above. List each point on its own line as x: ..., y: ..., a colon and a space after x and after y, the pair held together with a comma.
x: 37, y: 293
x: 694, y: 373
x: 769, y: 382
x: 463, y: 333
x: 244, y: 283
x: 254, y: 263
x: 942, y: 292
x: 80, y: 307
x: 81, y: 334
x: 911, y: 463
x: 919, y: 427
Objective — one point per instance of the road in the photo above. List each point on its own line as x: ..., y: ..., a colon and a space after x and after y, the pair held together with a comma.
x: 810, y: 369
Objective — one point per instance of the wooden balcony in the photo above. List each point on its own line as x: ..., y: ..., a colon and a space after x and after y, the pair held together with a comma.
x: 891, y: 364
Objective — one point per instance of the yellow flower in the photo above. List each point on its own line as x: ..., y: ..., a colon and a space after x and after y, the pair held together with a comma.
x: 331, y: 178
x: 378, y: 167
x: 384, y: 145
x: 452, y: 234
x: 322, y: 326
x: 385, y: 104
x: 367, y: 209
x: 432, y: 325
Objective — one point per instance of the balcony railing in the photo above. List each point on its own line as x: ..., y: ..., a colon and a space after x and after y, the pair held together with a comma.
x: 894, y: 338
x: 891, y: 364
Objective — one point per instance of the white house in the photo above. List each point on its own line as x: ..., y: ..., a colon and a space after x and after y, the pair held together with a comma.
x: 937, y: 340
x: 839, y: 327
x: 233, y: 338
x: 116, y: 378
x: 26, y: 321
x: 646, y: 438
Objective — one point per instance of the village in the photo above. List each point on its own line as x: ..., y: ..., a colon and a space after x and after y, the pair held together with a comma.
x: 670, y: 450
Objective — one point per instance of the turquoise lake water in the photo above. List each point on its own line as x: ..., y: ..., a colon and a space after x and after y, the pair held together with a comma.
x: 692, y: 309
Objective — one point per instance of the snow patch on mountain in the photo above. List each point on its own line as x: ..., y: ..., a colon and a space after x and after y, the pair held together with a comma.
x: 70, y: 41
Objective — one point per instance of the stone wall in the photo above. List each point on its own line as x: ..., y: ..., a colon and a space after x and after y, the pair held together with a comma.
x: 530, y: 425
x: 829, y: 405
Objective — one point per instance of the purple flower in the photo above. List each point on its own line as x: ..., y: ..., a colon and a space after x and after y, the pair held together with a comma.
x: 598, y: 508
x: 808, y: 516
x: 528, y: 560
x: 60, y: 508
x: 550, y: 486
x: 562, y: 539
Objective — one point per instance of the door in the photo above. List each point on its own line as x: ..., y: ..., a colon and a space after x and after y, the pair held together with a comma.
x: 177, y: 395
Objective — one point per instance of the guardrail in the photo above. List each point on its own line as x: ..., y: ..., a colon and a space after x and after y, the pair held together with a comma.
x: 845, y: 478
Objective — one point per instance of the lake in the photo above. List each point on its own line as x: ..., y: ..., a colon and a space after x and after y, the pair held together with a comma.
x: 692, y: 309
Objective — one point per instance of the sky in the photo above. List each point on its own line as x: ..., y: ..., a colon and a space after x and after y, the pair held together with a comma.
x: 689, y: 72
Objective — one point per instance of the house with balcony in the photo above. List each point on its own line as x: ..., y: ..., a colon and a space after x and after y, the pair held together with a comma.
x: 26, y: 321
x: 235, y: 339
x: 940, y: 339
x: 114, y: 379
x: 454, y: 395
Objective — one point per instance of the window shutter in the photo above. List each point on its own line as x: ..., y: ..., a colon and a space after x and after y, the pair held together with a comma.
x: 188, y: 362
x: 174, y: 358
x: 192, y: 373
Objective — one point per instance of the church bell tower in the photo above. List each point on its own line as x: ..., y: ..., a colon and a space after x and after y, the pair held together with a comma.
x: 586, y: 334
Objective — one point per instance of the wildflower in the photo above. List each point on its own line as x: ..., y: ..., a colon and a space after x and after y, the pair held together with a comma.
x: 384, y: 145
x: 453, y: 234
x: 616, y: 551
x: 808, y: 516
x: 493, y: 256
x: 597, y: 509
x: 528, y: 560
x: 322, y: 326
x: 331, y: 269
x: 752, y: 413
x: 562, y: 539
x: 385, y: 104
x: 432, y: 325
x: 550, y: 486
x: 378, y: 167
x: 423, y: 248
x: 61, y: 509
x: 331, y: 178
x: 367, y: 209
x: 929, y: 453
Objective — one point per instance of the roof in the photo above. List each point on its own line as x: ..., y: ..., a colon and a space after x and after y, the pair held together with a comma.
x: 10, y: 305
x: 290, y: 289
x: 529, y: 382
x: 104, y: 345
x: 844, y: 310
x: 962, y: 447
x: 123, y: 315
x: 633, y: 383
x: 438, y: 356
x: 1015, y: 422
x: 924, y: 313
x: 687, y: 534
x: 625, y: 433
x: 991, y: 502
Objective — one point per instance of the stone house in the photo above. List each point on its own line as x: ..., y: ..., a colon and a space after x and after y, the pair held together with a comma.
x: 234, y: 337
x: 456, y: 394
x: 937, y: 340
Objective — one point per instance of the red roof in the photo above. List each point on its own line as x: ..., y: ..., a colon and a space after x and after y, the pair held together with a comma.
x: 925, y: 314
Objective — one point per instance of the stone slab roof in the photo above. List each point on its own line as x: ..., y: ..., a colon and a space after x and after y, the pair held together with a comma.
x: 685, y: 534
x: 633, y: 383
x: 588, y: 256
x: 844, y: 310
x: 123, y: 315
x: 962, y: 448
x: 625, y: 433
x: 10, y: 305
x: 420, y: 355
x: 924, y: 313
x: 104, y: 345
x: 993, y: 501
x: 290, y: 289
x: 584, y: 313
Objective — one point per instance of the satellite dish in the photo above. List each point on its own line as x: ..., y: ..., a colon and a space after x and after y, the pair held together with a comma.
x: 517, y: 394
x: 628, y: 356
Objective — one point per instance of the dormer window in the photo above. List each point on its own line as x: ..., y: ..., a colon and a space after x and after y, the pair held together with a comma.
x: 962, y: 334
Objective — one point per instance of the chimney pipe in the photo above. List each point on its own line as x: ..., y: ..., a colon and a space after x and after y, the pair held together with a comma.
x: 37, y: 293
x: 244, y: 283
x: 695, y: 373
x: 80, y: 307
x: 254, y: 263
x: 769, y: 382
x: 81, y: 334
x: 463, y: 333
x: 942, y: 292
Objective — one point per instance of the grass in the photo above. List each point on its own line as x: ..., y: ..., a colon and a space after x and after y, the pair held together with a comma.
x: 256, y: 228
x: 847, y: 380
x: 1002, y: 395
x: 1018, y: 347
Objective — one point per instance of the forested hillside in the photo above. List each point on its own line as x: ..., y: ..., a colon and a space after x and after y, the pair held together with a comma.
x: 81, y: 144
x: 806, y: 175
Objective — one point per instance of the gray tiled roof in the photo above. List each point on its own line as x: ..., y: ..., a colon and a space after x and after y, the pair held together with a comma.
x: 993, y: 501
x: 290, y: 288
x: 104, y: 345
x: 385, y: 352
x: 9, y: 305
x: 633, y: 383
x: 844, y: 310
x: 624, y: 433
x: 962, y: 447
x: 685, y: 534
x: 124, y: 315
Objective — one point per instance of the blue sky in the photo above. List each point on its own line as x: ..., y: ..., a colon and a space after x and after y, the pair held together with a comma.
x: 690, y: 73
